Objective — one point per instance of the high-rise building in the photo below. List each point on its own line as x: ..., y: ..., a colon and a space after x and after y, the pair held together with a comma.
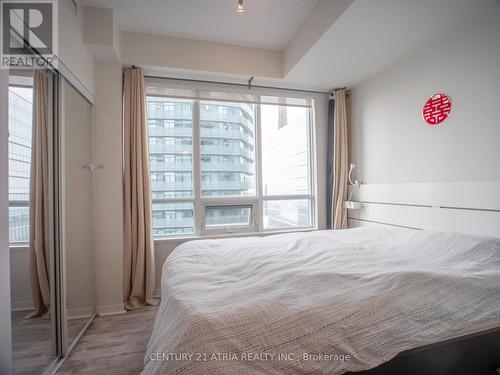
x: 227, y: 163
x: 227, y: 166
x: 227, y: 159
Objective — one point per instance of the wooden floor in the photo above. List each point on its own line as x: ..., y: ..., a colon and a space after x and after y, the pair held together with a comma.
x: 32, y: 342
x: 113, y: 344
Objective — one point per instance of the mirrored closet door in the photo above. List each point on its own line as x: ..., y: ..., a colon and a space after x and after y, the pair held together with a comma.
x: 31, y: 220
x: 77, y: 224
x: 50, y: 218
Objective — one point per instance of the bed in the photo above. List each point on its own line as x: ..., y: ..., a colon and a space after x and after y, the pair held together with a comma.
x: 322, y: 302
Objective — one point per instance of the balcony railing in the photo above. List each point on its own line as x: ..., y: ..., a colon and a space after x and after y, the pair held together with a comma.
x: 187, y: 166
x: 205, y: 185
x: 171, y: 185
x: 170, y: 132
x: 226, y: 167
x: 227, y: 134
x: 162, y: 148
x: 226, y: 117
x: 159, y: 113
x: 172, y: 222
x: 226, y: 185
x: 205, y: 133
x: 161, y: 166
x: 233, y: 150
x: 230, y: 150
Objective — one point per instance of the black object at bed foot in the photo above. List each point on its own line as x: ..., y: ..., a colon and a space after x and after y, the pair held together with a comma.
x: 477, y: 354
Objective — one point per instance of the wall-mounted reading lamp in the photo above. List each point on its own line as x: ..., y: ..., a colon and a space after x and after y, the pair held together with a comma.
x: 351, y: 168
x: 240, y: 8
x: 352, y: 205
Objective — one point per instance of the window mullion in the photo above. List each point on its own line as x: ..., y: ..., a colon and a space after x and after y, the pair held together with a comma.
x: 172, y: 200
x: 198, y: 206
x: 258, y: 169
x: 287, y: 197
x: 312, y: 167
x: 19, y: 203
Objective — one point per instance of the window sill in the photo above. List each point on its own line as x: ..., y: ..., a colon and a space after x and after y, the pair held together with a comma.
x: 181, y: 239
x: 21, y: 248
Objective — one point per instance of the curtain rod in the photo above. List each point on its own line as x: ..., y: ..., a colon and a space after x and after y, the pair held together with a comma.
x: 237, y: 84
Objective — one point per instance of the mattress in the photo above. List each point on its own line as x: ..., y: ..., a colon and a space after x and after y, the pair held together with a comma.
x: 323, y: 302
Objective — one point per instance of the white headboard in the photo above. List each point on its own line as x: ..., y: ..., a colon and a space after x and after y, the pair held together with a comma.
x: 467, y: 207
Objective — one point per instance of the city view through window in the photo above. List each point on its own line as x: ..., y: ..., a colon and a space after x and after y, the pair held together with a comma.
x: 20, y: 128
x: 228, y: 151
x: 227, y: 168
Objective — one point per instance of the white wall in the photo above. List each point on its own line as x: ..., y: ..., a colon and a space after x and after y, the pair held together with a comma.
x: 390, y: 140
x: 108, y: 188
x: 324, y: 14
x: 72, y: 52
x: 20, y: 287
x: 77, y: 199
x: 172, y: 52
x: 101, y: 34
x: 5, y: 329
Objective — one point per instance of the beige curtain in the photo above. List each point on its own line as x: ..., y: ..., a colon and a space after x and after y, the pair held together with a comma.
x: 340, y: 161
x: 139, y: 264
x: 39, y: 199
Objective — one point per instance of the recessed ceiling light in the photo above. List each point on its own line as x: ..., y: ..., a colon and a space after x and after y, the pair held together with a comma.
x: 240, y: 8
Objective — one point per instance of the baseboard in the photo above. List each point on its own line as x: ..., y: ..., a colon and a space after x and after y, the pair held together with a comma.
x: 80, y: 313
x: 22, y: 305
x: 111, y: 309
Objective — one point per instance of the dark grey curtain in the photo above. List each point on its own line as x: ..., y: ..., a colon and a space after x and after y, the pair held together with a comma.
x: 330, y: 167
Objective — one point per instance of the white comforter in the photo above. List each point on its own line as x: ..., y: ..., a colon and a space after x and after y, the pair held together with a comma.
x: 324, y: 302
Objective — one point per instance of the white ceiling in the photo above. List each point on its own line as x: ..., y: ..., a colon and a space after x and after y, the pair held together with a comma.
x: 372, y: 35
x: 367, y: 38
x: 265, y: 23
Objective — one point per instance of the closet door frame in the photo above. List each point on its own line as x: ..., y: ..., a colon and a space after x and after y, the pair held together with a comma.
x: 53, y: 75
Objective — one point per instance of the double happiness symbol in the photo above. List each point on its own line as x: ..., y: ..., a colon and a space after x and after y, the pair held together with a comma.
x: 437, y: 109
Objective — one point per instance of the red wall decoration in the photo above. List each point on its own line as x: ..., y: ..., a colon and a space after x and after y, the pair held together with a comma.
x: 437, y: 109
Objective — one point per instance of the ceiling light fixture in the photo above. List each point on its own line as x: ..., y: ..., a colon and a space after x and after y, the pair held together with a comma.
x: 240, y: 8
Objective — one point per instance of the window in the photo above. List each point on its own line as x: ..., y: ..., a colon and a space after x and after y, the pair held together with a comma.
x: 173, y: 218
x: 205, y: 172
x: 286, y: 176
x: 20, y: 129
x: 172, y: 187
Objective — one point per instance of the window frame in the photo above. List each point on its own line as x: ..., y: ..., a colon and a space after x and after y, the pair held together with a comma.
x: 257, y: 200
x: 250, y: 227
x: 311, y: 163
